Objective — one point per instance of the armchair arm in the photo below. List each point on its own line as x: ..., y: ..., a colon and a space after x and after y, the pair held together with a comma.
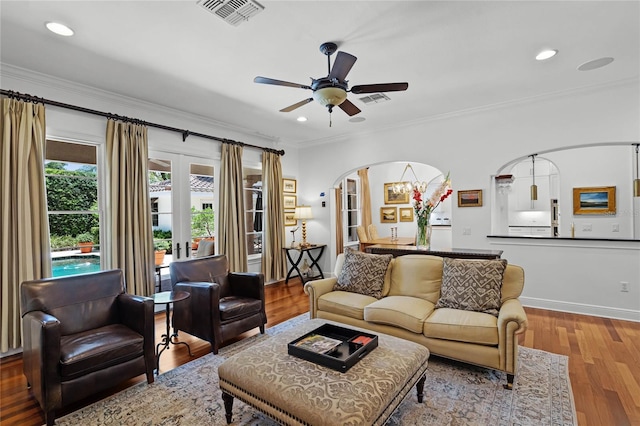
x: 200, y: 310
x: 41, y: 356
x: 512, y: 320
x: 315, y: 289
x: 136, y: 312
x: 247, y: 284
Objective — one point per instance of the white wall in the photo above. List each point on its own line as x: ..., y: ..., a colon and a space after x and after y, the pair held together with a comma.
x: 474, y: 146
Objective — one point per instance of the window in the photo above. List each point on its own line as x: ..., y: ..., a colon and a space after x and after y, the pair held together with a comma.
x: 207, y: 206
x: 154, y: 212
x: 71, y: 175
x: 253, y: 210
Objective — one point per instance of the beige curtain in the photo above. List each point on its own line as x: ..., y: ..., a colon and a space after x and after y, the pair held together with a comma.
x: 232, y: 227
x: 339, y: 236
x: 24, y: 227
x: 365, y: 198
x: 128, y: 215
x: 274, y: 265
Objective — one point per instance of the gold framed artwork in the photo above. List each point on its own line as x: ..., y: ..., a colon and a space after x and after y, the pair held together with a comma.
x: 288, y: 218
x: 406, y: 214
x: 289, y: 185
x: 594, y: 200
x: 391, y: 198
x: 290, y: 201
x: 388, y: 214
x: 470, y: 198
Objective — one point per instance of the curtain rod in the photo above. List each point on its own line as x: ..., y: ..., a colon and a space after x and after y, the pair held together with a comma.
x: 185, y: 133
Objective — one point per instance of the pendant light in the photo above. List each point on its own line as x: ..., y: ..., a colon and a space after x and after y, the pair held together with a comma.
x: 636, y: 181
x: 534, y: 187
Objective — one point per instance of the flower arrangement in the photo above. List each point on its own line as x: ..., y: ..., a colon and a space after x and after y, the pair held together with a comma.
x: 423, y: 208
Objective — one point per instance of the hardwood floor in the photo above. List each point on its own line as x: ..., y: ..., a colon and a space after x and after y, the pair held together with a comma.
x: 604, y: 361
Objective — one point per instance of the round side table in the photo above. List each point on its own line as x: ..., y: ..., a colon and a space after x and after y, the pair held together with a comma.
x: 167, y: 298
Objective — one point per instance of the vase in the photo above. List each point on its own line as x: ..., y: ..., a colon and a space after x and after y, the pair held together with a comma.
x: 423, y: 234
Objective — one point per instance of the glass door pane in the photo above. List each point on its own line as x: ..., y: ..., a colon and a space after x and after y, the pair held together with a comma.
x: 160, y: 192
x: 201, y: 193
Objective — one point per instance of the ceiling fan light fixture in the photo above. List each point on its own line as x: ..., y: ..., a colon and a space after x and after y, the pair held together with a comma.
x: 330, y: 96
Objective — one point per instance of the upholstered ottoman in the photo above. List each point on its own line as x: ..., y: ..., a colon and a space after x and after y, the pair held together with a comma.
x: 293, y: 391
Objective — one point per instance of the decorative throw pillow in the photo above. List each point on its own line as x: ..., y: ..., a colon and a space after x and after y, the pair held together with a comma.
x: 472, y: 285
x: 363, y: 273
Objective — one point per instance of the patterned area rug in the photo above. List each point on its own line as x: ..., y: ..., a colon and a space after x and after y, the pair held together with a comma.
x: 454, y: 394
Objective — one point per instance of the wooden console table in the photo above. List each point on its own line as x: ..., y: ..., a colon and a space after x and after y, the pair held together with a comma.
x: 460, y: 253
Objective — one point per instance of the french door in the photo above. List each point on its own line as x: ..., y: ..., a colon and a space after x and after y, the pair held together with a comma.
x: 183, y: 202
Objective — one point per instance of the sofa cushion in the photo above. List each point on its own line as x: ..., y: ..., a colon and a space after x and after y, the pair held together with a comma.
x: 462, y: 326
x: 472, y: 285
x: 345, y: 303
x: 363, y: 273
x: 400, y: 311
x: 417, y: 275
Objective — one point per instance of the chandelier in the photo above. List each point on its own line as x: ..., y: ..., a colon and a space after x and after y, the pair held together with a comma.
x: 403, y: 187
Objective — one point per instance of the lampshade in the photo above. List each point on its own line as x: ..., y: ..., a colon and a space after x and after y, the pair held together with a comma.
x: 303, y: 213
x: 330, y: 96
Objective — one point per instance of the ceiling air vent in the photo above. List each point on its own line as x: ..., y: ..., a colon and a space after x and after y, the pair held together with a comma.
x: 375, y: 98
x: 233, y: 12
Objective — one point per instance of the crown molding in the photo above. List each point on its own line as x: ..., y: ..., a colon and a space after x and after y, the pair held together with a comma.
x: 100, y: 95
x: 476, y: 110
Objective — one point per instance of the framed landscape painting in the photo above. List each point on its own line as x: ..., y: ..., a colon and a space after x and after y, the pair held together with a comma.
x: 406, y: 214
x: 288, y: 218
x: 290, y: 201
x: 470, y: 198
x: 594, y: 200
x: 289, y: 185
x: 392, y: 198
x: 388, y: 214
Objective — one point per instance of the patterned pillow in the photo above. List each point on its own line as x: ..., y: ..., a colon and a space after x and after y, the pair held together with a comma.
x: 363, y: 273
x: 472, y: 285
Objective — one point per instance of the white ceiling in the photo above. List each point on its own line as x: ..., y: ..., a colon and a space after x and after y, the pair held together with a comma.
x: 455, y: 55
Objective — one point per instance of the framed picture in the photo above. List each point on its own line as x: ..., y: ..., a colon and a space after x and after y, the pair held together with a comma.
x: 594, y: 200
x: 289, y: 185
x: 290, y: 201
x: 388, y: 214
x: 470, y: 198
x: 391, y: 198
x: 288, y: 218
x: 406, y: 214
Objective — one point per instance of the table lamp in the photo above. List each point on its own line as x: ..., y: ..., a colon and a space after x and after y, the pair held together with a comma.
x: 303, y: 213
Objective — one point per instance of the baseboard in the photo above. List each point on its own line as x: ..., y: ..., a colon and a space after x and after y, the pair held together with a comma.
x: 578, y: 308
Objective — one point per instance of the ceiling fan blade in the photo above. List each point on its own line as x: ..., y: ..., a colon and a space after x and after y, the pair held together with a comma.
x: 342, y: 65
x: 374, y: 88
x: 349, y: 107
x: 265, y: 80
x: 296, y: 105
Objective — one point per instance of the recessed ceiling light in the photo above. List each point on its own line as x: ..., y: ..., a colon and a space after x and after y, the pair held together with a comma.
x: 357, y: 119
x: 301, y: 119
x: 546, y: 54
x: 595, y: 64
x: 58, y: 28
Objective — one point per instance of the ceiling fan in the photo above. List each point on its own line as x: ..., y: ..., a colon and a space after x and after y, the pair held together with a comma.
x: 331, y: 91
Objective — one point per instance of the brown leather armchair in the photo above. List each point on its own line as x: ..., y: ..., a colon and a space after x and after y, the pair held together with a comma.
x: 222, y: 305
x: 83, y: 334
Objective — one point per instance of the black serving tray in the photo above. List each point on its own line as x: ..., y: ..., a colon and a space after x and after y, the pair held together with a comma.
x: 344, y: 356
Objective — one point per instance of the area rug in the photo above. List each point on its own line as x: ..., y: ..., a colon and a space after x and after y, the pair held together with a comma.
x: 454, y: 394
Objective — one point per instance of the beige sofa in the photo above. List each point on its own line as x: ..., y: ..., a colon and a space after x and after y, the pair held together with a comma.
x: 407, y: 309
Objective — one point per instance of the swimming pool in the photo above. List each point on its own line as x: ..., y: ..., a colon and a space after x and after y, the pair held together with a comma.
x: 75, y: 265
